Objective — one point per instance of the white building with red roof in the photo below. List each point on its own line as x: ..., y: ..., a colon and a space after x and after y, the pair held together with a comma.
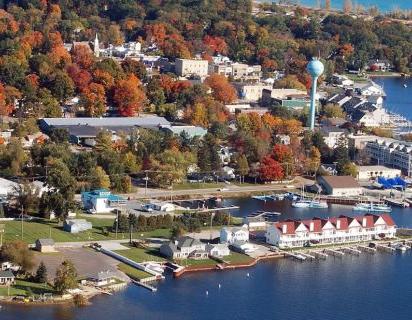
x: 342, y: 229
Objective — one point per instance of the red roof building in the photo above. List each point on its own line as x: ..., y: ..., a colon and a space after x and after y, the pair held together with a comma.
x: 342, y: 229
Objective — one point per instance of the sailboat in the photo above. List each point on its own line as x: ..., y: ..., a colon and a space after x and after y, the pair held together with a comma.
x: 301, y: 203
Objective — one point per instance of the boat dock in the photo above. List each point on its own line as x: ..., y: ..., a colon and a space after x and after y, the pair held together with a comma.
x: 319, y: 254
x: 366, y: 249
x: 144, y: 285
x: 352, y: 250
x: 335, y: 253
x: 385, y: 248
x: 397, y: 203
x: 297, y: 256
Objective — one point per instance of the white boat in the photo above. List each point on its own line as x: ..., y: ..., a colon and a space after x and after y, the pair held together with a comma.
x: 318, y: 204
x: 405, y: 85
x: 371, y: 207
x: 156, y: 267
x: 260, y: 198
x: 301, y: 204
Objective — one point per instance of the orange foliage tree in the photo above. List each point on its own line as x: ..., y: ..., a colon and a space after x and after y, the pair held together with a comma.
x: 128, y: 96
x: 222, y: 90
x: 270, y: 169
x: 93, y: 99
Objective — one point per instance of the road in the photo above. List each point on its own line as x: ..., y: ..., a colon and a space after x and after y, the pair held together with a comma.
x: 229, y: 190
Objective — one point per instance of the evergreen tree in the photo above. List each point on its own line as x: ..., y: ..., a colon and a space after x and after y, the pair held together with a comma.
x: 66, y: 277
x: 41, y: 273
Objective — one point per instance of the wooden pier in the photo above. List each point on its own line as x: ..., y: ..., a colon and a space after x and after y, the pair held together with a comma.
x: 385, y: 248
x: 296, y: 256
x: 319, y: 254
x: 307, y: 256
x: 366, y: 249
x: 351, y: 250
x: 335, y: 253
x: 144, y: 285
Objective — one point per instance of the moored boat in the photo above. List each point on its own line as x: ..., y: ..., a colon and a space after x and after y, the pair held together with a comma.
x: 371, y: 207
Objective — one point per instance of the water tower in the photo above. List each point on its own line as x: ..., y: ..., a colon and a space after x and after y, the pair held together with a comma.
x: 315, y: 68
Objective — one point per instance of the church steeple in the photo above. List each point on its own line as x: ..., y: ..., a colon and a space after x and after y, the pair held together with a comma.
x: 96, y: 46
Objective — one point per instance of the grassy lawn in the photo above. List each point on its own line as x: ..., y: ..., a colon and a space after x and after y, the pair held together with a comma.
x: 206, y: 185
x: 133, y: 273
x: 33, y: 230
x: 25, y: 288
x: 141, y: 255
x: 198, y: 263
x: 238, y: 258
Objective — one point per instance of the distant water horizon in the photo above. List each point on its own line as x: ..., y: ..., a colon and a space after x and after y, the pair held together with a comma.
x: 382, y: 5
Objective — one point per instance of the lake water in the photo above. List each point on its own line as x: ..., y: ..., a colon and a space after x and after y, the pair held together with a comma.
x: 383, y: 5
x: 375, y: 287
x: 399, y: 98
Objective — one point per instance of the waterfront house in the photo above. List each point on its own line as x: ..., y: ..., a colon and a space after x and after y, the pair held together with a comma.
x: 103, y: 278
x: 342, y: 229
x: 101, y: 201
x: 235, y: 234
x: 243, y: 247
x: 340, y: 186
x: 184, y: 248
x: 254, y: 223
x: 45, y: 245
x: 76, y: 225
x: 7, y: 278
x: 218, y: 250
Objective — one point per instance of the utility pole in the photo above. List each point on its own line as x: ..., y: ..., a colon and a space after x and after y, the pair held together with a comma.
x: 22, y: 222
x: 2, y: 226
x: 117, y: 222
x: 146, y: 179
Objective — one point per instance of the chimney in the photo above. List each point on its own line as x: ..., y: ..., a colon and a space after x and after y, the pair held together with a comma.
x: 338, y: 224
x: 364, y: 222
x: 284, y: 228
x: 311, y: 226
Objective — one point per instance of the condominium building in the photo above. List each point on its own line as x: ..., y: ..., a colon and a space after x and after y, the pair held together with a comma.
x: 391, y: 152
x: 342, y: 229
x: 191, y: 67
x: 238, y: 71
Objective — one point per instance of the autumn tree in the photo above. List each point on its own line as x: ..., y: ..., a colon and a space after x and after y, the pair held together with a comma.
x: 66, y: 277
x: 93, y: 99
x: 222, y: 90
x: 18, y: 252
x: 83, y: 56
x: 129, y: 97
x: 99, y: 179
x: 270, y: 169
x: 290, y: 82
x: 313, y: 160
x: 242, y: 167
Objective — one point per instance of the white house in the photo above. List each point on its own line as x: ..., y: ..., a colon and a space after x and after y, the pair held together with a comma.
x: 183, y: 248
x: 191, y: 67
x: 332, y: 135
x: 342, y: 229
x: 235, y: 234
x: 342, y: 80
x: 218, y: 250
x: 101, y: 201
x: 7, y: 187
x: 244, y: 247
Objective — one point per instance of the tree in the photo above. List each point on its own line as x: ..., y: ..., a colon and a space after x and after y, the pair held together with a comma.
x: 93, y: 99
x: 26, y: 197
x: 333, y: 111
x: 41, y: 273
x: 313, y: 161
x: 270, y: 169
x: 177, y: 231
x: 290, y: 82
x: 99, y: 179
x: 242, y: 166
x: 2, y: 215
x: 350, y: 169
x: 18, y: 252
x: 222, y: 90
x: 128, y: 96
x: 66, y: 277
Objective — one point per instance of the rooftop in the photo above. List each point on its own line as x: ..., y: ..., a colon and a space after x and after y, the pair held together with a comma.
x: 341, y: 181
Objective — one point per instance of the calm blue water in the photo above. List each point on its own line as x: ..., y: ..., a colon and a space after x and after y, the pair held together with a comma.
x: 375, y: 287
x: 383, y: 5
x: 399, y: 98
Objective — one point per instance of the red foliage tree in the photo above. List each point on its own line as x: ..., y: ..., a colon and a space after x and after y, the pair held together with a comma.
x: 82, y: 55
x: 270, y: 169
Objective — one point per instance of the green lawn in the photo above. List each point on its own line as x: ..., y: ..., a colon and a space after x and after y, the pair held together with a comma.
x: 25, y: 288
x: 133, y: 273
x: 33, y: 230
x: 206, y: 185
x: 198, y: 263
x: 141, y: 255
x: 238, y: 258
